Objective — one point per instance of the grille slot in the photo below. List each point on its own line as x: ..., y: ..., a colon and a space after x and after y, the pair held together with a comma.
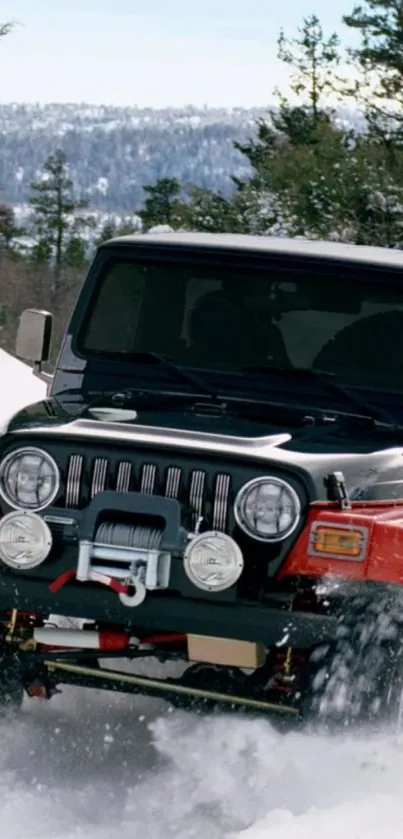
x: 220, y: 504
x: 99, y: 476
x: 196, y: 495
x: 73, y: 482
x: 148, y: 475
x: 173, y: 482
x: 205, y: 494
x: 124, y: 475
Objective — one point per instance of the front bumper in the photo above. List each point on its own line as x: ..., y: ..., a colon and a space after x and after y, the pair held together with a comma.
x: 68, y: 582
x: 162, y: 613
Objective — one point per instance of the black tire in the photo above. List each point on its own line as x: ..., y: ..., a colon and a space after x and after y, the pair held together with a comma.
x: 11, y: 686
x: 358, y: 679
x: 391, y: 710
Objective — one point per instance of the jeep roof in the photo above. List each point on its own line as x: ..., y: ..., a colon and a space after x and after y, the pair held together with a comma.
x: 265, y: 244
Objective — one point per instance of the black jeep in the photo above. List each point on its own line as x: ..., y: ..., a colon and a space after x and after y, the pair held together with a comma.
x: 215, y: 477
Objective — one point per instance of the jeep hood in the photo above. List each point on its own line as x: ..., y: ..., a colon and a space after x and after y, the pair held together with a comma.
x: 377, y: 469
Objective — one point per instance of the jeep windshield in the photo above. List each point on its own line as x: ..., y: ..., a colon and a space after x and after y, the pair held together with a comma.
x: 221, y: 318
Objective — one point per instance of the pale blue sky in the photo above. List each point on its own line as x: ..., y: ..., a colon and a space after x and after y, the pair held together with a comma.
x: 151, y: 52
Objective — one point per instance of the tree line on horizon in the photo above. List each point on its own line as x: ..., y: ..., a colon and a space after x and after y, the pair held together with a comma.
x: 311, y: 175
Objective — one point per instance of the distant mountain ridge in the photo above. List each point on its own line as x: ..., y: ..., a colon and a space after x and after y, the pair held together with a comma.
x: 114, y: 151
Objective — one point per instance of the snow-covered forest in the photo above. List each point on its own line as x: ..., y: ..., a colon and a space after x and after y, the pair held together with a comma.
x: 75, y: 175
x: 113, y: 152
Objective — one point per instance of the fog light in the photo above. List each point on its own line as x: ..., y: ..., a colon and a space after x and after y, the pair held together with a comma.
x: 25, y: 540
x: 213, y: 561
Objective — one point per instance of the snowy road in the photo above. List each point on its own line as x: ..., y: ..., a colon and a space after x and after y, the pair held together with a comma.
x: 91, y: 766
x: 101, y: 767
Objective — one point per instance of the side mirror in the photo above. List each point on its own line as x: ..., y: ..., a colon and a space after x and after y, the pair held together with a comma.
x: 34, y: 336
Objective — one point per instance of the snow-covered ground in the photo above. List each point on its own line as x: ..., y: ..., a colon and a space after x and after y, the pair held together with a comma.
x: 18, y: 385
x: 98, y: 766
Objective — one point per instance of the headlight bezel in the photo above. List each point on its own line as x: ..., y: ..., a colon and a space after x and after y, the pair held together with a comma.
x: 5, y: 464
x: 241, y: 498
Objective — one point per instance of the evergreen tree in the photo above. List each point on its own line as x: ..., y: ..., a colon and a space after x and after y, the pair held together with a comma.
x: 297, y: 153
x: 109, y: 231
x: 57, y: 220
x: 205, y: 211
x: 8, y: 227
x: 161, y: 204
x: 379, y: 89
x: 312, y: 59
x: 312, y: 176
x: 114, y: 228
x: 379, y: 55
x: 75, y: 252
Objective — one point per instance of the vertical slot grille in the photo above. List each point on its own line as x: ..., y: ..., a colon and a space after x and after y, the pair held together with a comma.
x: 207, y: 496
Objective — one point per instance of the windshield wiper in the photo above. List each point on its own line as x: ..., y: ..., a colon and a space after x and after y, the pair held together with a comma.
x: 143, y: 400
x: 280, y: 413
x: 175, y: 369
x: 331, y: 383
x: 143, y: 395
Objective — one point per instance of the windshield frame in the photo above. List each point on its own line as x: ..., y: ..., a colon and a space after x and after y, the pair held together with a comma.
x: 322, y: 269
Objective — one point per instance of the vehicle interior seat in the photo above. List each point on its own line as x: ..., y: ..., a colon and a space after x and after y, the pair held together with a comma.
x: 223, y: 331
x: 372, y: 346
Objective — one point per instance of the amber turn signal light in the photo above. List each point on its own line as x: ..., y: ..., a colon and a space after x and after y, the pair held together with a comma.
x: 338, y: 541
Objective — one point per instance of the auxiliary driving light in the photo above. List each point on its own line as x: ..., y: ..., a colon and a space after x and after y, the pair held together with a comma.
x: 25, y: 540
x: 213, y: 561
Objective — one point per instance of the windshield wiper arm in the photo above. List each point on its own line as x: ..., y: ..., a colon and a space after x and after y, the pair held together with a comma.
x: 329, y: 381
x: 176, y: 369
x: 143, y: 394
x: 142, y: 398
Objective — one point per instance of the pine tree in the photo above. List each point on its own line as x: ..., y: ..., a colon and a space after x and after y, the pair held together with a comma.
x: 57, y: 220
x: 311, y: 176
x: 297, y: 152
x: 379, y: 90
x: 312, y: 59
x: 160, y: 206
x: 205, y: 211
x: 114, y: 228
x: 379, y: 55
x: 8, y: 227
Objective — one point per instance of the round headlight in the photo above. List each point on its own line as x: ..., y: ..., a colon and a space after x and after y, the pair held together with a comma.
x: 213, y: 561
x: 267, y: 509
x: 25, y: 540
x: 29, y: 479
